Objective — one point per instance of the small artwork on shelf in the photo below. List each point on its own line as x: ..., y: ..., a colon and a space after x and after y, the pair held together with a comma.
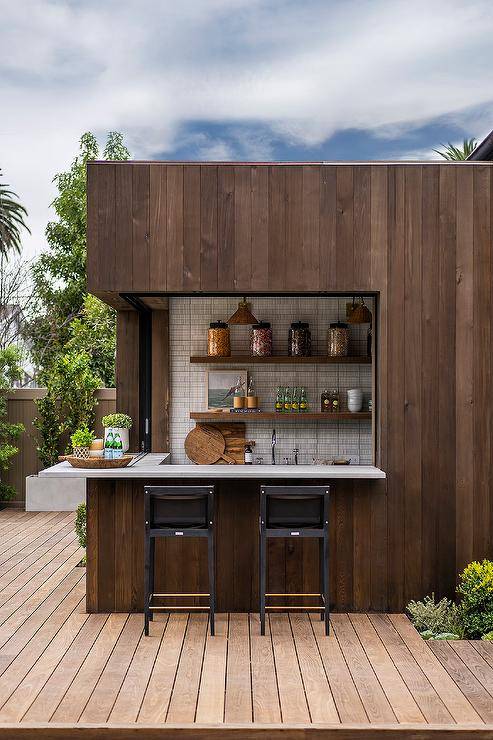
x: 221, y: 386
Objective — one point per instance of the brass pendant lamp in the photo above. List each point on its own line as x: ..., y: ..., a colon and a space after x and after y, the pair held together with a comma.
x: 243, y: 315
x: 360, y: 313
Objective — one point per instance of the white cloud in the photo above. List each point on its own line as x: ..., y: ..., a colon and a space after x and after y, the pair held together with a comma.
x: 304, y: 69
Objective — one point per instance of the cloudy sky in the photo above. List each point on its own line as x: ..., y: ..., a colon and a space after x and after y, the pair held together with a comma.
x: 236, y: 80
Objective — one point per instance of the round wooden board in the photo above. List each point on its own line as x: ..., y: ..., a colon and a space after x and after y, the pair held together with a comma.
x: 205, y: 445
x: 98, y: 462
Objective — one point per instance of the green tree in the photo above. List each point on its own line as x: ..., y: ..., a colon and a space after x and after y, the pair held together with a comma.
x: 12, y: 220
x: 9, y: 372
x: 59, y: 274
x: 68, y: 405
x: 94, y: 332
x: 457, y: 154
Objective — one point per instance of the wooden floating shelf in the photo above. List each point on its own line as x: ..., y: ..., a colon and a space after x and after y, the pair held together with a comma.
x: 280, y: 360
x: 211, y: 416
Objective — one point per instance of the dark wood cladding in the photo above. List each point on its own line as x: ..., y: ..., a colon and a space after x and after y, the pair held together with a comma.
x: 420, y: 237
x: 115, y: 549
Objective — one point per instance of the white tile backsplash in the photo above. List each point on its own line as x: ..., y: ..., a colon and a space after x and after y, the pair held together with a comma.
x: 189, y: 321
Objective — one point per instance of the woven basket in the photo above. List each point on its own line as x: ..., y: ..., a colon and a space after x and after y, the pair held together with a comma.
x: 100, y: 463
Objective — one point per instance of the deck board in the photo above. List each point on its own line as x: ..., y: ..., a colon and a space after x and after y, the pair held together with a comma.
x: 61, y: 668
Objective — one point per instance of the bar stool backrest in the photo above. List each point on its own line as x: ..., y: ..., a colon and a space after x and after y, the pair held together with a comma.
x: 180, y: 507
x: 294, y: 506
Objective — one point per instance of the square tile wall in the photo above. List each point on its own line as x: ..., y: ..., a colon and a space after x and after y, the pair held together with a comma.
x: 189, y: 322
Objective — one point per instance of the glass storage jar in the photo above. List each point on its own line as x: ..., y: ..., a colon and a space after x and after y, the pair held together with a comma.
x: 338, y: 340
x: 261, y: 340
x: 218, y: 341
x: 300, y: 340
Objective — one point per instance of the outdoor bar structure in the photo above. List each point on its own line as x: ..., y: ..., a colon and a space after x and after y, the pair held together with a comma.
x: 174, y: 246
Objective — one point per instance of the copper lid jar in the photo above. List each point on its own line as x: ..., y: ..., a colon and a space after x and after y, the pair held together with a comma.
x: 300, y: 340
x: 218, y: 341
x: 261, y: 340
x: 338, y: 340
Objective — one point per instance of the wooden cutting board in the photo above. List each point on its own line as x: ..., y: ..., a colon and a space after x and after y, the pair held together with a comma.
x: 234, y: 436
x: 205, y: 445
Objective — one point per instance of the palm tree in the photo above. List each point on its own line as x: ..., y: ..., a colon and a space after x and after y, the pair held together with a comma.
x: 457, y: 154
x: 12, y: 215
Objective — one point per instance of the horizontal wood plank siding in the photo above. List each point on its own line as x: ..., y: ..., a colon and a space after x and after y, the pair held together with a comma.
x: 417, y: 235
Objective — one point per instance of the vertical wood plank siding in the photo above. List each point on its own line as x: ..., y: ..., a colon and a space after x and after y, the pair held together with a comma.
x: 418, y: 235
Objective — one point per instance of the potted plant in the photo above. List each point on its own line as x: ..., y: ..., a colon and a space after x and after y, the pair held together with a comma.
x: 116, y: 428
x: 81, y: 442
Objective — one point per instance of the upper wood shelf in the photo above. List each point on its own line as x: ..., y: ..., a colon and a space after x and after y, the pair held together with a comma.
x: 227, y: 416
x: 279, y: 360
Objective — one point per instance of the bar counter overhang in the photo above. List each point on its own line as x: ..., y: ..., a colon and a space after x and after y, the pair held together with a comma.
x: 115, y: 531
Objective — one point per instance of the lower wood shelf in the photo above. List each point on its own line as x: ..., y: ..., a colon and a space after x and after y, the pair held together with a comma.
x: 222, y: 416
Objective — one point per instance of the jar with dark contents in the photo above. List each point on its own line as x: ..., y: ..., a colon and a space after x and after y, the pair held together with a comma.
x: 338, y: 340
x: 218, y: 341
x: 261, y: 340
x: 300, y: 340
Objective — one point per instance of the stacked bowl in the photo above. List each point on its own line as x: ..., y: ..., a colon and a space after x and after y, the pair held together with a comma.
x: 355, y: 399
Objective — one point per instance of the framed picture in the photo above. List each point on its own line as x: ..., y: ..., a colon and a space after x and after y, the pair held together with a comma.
x: 220, y: 387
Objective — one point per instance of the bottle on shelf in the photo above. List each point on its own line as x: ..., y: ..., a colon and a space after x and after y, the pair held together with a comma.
x: 239, y: 398
x: 295, y: 403
x: 279, y: 405
x: 252, y: 399
x: 248, y: 454
x: 303, y: 400
x: 287, y: 399
x: 325, y: 401
x: 334, y: 401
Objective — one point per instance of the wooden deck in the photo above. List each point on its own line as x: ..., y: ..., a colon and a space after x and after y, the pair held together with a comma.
x: 65, y: 673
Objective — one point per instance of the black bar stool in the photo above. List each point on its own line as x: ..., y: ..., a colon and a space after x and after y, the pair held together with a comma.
x: 177, y: 511
x: 295, y: 511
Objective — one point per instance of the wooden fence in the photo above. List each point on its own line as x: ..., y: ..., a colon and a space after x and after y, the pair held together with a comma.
x: 21, y: 407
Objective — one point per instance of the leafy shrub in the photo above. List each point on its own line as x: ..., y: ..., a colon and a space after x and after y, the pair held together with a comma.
x: 488, y: 636
x: 9, y: 433
x: 476, y: 592
x: 432, y: 619
x: 82, y: 438
x: 80, y: 525
x: 123, y: 421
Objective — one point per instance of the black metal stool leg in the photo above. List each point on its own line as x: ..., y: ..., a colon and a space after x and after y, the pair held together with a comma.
x: 263, y: 579
x: 151, y: 573
x: 321, y: 574
x: 212, y: 579
x: 147, y: 554
x: 326, y: 611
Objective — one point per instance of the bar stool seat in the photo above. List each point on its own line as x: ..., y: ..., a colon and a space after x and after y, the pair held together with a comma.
x: 301, y: 512
x: 177, y: 511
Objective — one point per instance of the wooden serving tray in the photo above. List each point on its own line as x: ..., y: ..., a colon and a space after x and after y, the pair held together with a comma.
x: 97, y: 462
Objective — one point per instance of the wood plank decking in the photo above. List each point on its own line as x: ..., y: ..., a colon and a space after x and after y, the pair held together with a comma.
x: 65, y: 673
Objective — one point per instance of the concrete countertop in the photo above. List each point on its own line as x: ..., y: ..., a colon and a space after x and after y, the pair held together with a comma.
x: 157, y: 465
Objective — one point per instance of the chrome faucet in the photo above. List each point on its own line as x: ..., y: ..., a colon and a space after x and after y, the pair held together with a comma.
x: 296, y: 453
x: 273, y: 443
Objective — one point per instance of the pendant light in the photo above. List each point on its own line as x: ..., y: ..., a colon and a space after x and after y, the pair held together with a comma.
x: 243, y: 315
x: 360, y: 313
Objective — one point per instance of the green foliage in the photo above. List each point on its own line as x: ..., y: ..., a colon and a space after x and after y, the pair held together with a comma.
x: 456, y: 154
x: 9, y: 372
x: 59, y: 275
x: 122, y: 421
x: 488, y: 636
x: 69, y: 403
x: 12, y: 220
x: 94, y: 332
x: 80, y: 525
x: 432, y: 619
x: 476, y: 592
x: 82, y: 437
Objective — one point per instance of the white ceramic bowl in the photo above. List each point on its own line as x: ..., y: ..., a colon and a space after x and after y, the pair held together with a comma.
x: 355, y: 406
